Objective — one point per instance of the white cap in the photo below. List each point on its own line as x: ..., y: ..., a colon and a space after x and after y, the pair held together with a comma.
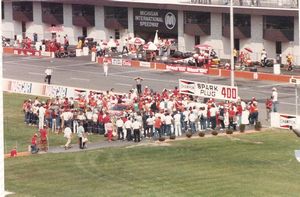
x: 274, y: 89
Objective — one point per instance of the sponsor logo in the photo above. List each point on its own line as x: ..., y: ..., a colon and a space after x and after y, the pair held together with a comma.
x: 145, y: 64
x: 126, y: 63
x: 117, y: 62
x: 170, y: 20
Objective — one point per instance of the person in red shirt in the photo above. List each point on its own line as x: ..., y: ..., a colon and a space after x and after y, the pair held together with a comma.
x: 13, y: 152
x: 157, y: 126
x: 34, y: 148
x: 176, y: 91
x: 44, y: 139
x: 232, y: 118
x: 268, y: 108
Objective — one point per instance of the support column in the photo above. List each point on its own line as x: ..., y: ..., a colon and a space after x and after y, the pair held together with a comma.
x: 130, y: 31
x: 181, y: 40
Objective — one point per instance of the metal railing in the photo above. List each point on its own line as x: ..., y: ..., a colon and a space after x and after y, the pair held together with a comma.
x: 246, y: 3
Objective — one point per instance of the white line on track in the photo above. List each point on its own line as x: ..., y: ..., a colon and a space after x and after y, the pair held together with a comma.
x: 33, y: 73
x: 124, y: 84
x: 132, y: 71
x: 79, y: 79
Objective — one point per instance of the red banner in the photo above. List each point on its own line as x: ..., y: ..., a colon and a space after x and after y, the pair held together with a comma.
x: 189, y: 69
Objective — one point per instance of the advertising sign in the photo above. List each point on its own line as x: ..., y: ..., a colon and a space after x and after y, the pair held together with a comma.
x: 54, y: 91
x: 21, y: 87
x: 117, y: 62
x: 150, y: 20
x: 190, y: 69
x: 208, y: 90
x: 287, y: 121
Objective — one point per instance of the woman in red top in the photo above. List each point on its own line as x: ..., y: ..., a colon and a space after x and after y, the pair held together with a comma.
x: 44, y: 139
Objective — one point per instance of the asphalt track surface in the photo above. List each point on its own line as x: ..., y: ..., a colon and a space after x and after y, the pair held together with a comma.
x: 82, y: 73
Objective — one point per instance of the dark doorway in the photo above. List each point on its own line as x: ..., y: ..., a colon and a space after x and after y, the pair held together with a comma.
x: 237, y: 44
x: 84, y: 31
x: 23, y: 29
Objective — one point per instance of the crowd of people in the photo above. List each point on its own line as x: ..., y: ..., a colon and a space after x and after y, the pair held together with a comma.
x: 139, y: 114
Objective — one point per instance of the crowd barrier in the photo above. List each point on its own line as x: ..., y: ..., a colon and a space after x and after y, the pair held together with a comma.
x: 32, y: 52
x: 211, y: 71
x: 41, y: 89
x: 284, y: 121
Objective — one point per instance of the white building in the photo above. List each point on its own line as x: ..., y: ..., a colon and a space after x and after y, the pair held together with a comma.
x: 269, y: 24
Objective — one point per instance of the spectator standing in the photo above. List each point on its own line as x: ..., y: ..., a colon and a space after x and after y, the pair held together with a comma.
x: 128, y: 127
x: 274, y: 99
x: 136, y: 125
x: 138, y: 81
x: 41, y: 112
x: 157, y: 126
x: 48, y: 76
x: 120, y: 125
x: 44, y: 139
x: 177, y: 124
x: 80, y: 135
x: 68, y: 135
x: 109, y: 128
x: 268, y: 108
x: 263, y: 57
x: 105, y: 66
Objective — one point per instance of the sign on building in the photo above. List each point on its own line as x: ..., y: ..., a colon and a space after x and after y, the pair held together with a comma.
x: 150, y: 20
x: 208, y: 90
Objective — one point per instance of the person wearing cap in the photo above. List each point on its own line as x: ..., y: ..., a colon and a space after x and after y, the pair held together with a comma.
x: 34, y: 148
x: 80, y: 134
x: 274, y: 100
x: 120, y: 125
x: 41, y: 112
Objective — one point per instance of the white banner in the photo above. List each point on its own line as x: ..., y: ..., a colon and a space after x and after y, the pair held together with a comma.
x: 284, y: 121
x: 117, y: 62
x: 145, y: 64
x: 208, y: 90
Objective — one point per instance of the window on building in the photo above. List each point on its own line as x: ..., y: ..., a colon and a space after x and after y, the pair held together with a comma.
x: 117, y: 34
x: 278, y: 48
x: 197, y: 17
x: 118, y: 13
x: 83, y: 10
x: 84, y: 32
x: 238, y: 19
x: 237, y: 44
x: 278, y: 22
x: 197, y: 40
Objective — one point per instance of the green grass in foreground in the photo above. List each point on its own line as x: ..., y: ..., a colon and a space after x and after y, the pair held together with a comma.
x: 16, y: 132
x: 218, y: 166
x: 260, y: 164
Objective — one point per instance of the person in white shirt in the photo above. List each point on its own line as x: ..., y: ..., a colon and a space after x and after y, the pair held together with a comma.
x: 274, y: 100
x: 128, y: 127
x: 168, y: 123
x: 105, y: 66
x: 80, y: 135
x: 213, y: 112
x: 192, y: 120
x: 177, y: 124
x: 150, y: 122
x: 68, y: 135
x: 120, y: 125
x: 136, y: 125
x: 41, y: 112
x: 48, y: 73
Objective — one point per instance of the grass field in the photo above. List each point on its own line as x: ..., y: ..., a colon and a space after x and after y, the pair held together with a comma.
x: 260, y: 164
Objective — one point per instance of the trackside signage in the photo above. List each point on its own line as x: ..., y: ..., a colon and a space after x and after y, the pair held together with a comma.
x: 208, y: 90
